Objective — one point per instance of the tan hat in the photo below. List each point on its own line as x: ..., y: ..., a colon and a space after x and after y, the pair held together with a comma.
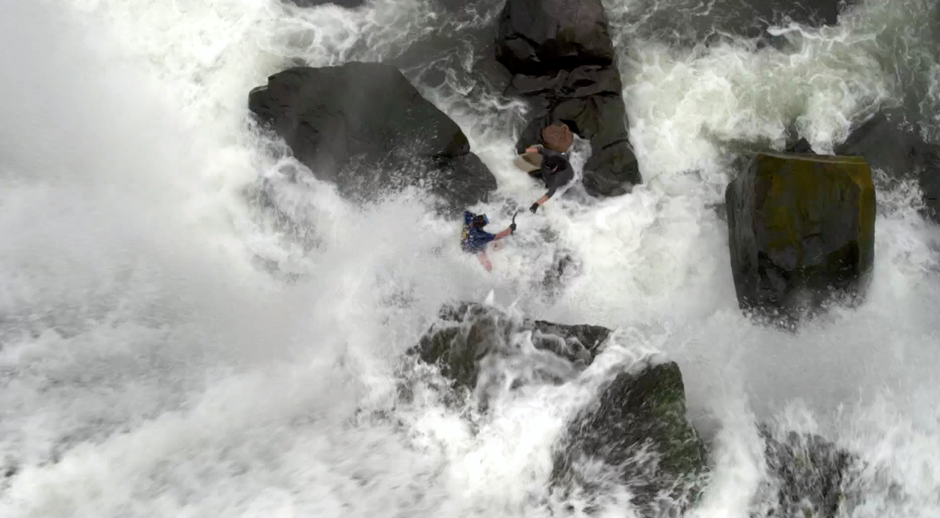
x: 528, y: 162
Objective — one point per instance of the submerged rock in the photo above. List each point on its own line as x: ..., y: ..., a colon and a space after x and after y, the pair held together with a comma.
x: 801, y: 229
x: 809, y: 476
x: 898, y: 149
x: 638, y: 429
x: 685, y: 23
x: 468, y: 337
x: 564, y: 65
x: 366, y: 128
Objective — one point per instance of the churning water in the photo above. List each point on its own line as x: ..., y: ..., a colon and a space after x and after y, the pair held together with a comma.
x: 192, y: 325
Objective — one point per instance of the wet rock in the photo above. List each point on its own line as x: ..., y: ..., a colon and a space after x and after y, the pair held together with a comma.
x: 366, y: 128
x: 638, y: 429
x: 800, y: 146
x: 684, y: 23
x: 468, y: 337
x: 891, y: 145
x: 564, y: 66
x: 801, y: 230
x: 809, y: 476
x: 542, y: 36
x: 563, y: 266
x: 929, y: 179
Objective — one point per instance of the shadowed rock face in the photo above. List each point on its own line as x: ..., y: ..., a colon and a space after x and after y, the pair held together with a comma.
x: 801, y: 229
x: 564, y: 65
x: 366, y: 128
x: 638, y: 429
x: 540, y: 37
x: 895, y: 147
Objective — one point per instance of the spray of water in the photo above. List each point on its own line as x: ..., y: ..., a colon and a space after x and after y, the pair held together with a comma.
x: 193, y: 325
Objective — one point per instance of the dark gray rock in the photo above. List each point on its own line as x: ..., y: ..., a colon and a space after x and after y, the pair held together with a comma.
x: 685, y: 23
x: 366, y: 128
x: 895, y: 147
x: 929, y: 179
x: 637, y: 427
x: 543, y: 36
x: 639, y: 430
x: 801, y: 230
x: 563, y: 64
x: 800, y: 146
x: 468, y: 335
x: 809, y: 476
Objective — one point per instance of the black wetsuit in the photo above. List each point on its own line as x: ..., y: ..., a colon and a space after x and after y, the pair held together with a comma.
x: 556, y: 171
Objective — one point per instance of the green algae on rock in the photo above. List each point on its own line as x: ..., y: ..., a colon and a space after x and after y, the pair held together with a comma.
x: 801, y: 231
x: 638, y: 428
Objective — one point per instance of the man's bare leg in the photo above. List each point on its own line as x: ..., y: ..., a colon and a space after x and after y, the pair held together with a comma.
x: 485, y: 261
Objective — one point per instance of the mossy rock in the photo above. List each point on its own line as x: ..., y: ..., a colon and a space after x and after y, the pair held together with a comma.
x: 639, y: 430
x: 801, y: 231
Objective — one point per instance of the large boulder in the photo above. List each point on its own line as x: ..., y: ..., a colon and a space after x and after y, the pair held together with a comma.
x: 801, y: 229
x: 366, y: 128
x: 897, y: 148
x: 540, y: 37
x: 564, y: 65
x: 469, y: 337
x: 638, y: 429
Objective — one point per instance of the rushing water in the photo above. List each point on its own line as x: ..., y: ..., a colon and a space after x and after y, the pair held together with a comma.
x: 191, y: 325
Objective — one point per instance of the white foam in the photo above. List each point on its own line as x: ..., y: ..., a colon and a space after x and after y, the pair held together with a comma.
x: 149, y: 368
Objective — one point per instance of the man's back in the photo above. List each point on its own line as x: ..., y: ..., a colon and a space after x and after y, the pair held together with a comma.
x: 473, y: 239
x: 556, y: 171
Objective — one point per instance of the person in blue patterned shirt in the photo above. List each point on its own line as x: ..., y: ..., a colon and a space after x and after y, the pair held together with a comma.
x: 473, y: 239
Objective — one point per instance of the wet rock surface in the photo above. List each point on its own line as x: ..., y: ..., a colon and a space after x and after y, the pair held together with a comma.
x: 638, y: 429
x: 893, y: 146
x: 468, y: 336
x: 809, y: 476
x: 801, y: 231
x: 564, y: 66
x: 366, y: 128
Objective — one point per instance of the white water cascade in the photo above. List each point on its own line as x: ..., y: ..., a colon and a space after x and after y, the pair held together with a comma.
x: 168, y: 347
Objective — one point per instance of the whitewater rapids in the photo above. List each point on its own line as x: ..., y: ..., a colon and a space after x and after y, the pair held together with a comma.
x: 171, y: 346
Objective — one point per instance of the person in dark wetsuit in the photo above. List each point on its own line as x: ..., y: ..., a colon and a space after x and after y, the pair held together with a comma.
x: 555, y: 171
x: 474, y: 239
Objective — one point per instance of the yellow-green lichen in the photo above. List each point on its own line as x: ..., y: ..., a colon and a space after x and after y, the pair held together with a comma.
x: 799, y: 189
